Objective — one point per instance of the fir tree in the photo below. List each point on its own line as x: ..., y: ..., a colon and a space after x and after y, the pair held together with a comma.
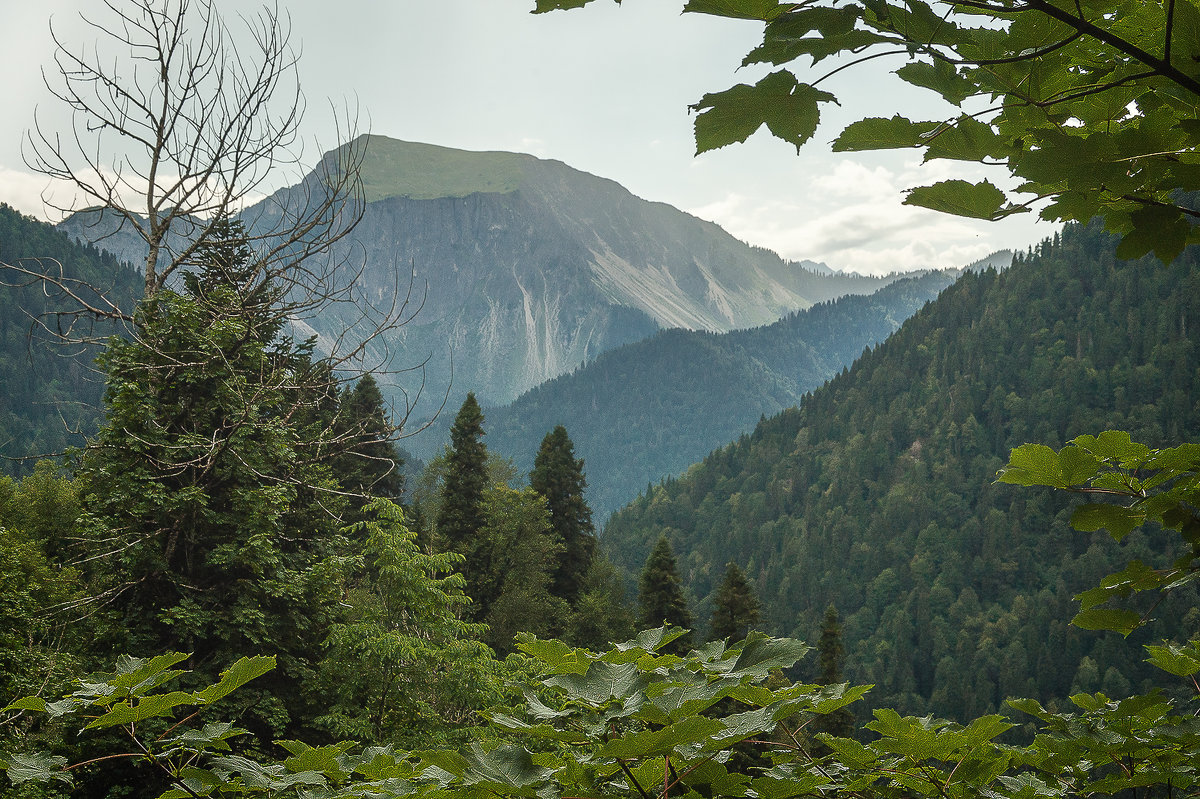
x: 558, y: 476
x: 460, y: 515
x: 830, y: 656
x: 372, y: 467
x: 460, y: 518
x: 221, y: 527
x: 735, y: 608
x: 660, y: 595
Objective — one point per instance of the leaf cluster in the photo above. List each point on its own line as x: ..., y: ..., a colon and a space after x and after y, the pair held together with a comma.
x: 634, y: 721
x: 1141, y: 485
x: 1091, y: 107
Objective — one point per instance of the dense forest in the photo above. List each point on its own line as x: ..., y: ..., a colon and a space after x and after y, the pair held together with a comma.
x: 51, y: 391
x: 231, y: 591
x: 878, y: 494
x: 653, y: 408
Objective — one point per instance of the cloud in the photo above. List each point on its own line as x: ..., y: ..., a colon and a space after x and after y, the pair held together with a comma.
x: 851, y: 216
x: 23, y: 191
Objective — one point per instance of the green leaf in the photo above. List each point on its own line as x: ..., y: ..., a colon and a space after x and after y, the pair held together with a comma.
x: 876, y: 133
x: 967, y: 139
x: 765, y: 10
x: 602, y: 682
x: 237, y: 675
x: 197, y: 782
x: 653, y: 743
x: 787, y: 38
x: 1114, y: 445
x: 1118, y: 520
x: 35, y: 703
x: 1031, y: 465
x: 817, y: 47
x: 1182, y: 661
x: 760, y: 654
x: 849, y: 751
x: 786, y: 107
x: 145, y: 708
x: 1076, y: 466
x: 550, y: 651
x: 508, y: 765
x: 940, y: 77
x: 1163, y: 231
x: 1116, y: 619
x: 976, y: 200
x: 324, y: 759
x: 37, y: 767
x: 542, y: 6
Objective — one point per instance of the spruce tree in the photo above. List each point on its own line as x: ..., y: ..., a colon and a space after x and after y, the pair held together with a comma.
x: 830, y: 656
x: 371, y: 468
x: 460, y: 518
x: 558, y: 476
x: 460, y: 515
x: 735, y: 608
x: 661, y: 597
x: 214, y: 503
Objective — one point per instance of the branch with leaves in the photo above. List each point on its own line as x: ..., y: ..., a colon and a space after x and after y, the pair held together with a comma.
x: 1091, y: 107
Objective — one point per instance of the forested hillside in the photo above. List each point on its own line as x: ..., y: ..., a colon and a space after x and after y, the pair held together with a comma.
x: 651, y: 409
x: 878, y: 494
x: 50, y: 389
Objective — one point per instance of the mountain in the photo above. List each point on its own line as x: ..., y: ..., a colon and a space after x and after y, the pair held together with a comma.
x: 525, y: 268
x: 51, y: 393
x: 650, y: 409
x: 878, y: 493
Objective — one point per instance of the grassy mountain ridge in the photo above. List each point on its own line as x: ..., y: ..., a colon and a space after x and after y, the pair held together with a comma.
x: 649, y: 409
x: 427, y: 171
x: 877, y: 494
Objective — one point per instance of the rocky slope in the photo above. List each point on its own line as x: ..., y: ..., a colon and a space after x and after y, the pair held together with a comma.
x: 525, y: 268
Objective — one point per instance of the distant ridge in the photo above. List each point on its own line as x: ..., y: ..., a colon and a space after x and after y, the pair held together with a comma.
x: 416, y: 171
x: 523, y: 268
x: 651, y: 409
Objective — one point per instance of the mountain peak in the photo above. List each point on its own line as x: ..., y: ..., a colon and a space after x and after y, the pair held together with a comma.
x: 419, y: 171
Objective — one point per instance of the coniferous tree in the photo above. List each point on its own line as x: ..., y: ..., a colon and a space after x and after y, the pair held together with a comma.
x: 602, y: 614
x: 371, y: 468
x: 460, y: 515
x: 222, y: 529
x: 558, y: 476
x: 660, y: 595
x: 735, y: 608
x: 830, y: 655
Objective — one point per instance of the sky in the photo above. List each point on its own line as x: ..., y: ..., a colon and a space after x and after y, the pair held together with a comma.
x: 605, y: 89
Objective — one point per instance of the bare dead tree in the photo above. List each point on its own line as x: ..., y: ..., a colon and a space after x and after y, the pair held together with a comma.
x: 181, y: 124
x: 178, y: 123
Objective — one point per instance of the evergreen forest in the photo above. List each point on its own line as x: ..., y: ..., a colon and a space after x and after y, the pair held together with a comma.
x: 651, y: 409
x: 987, y: 528
x: 51, y: 394
x: 879, y: 493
